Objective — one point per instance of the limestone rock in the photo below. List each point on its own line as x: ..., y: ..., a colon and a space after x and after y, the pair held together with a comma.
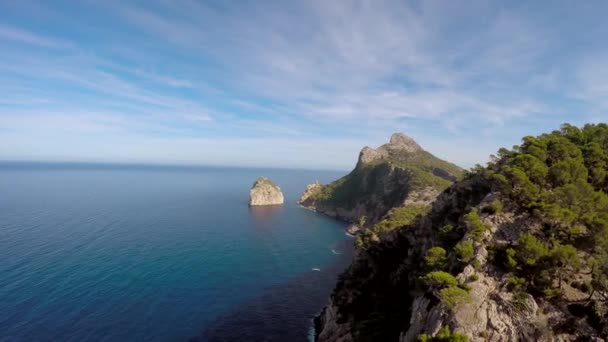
x: 353, y: 229
x: 265, y: 192
x: 403, y: 142
x: 398, y: 145
x: 368, y: 155
x: 309, y: 191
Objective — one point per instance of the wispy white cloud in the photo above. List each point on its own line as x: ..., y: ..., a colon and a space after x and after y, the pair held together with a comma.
x: 365, y: 60
x: 22, y: 36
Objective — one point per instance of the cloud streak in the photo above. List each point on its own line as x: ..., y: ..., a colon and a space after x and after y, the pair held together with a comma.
x: 22, y: 36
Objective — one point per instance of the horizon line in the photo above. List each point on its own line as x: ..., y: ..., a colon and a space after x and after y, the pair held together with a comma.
x: 100, y: 163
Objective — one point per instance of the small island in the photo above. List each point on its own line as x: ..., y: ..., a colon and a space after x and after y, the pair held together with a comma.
x: 265, y: 192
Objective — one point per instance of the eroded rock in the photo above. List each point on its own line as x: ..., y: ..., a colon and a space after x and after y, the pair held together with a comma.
x: 265, y: 192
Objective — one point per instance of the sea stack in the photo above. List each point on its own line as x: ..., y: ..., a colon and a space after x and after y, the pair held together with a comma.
x: 265, y: 192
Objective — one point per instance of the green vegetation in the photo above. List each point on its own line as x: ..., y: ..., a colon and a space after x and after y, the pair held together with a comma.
x: 420, y: 178
x: 494, y: 207
x: 452, y: 296
x: 447, y: 229
x: 561, y: 179
x: 465, y: 251
x: 511, y: 263
x: 530, y: 250
x: 444, y: 335
x: 426, y: 162
x: 362, y: 221
x: 365, y: 239
x: 400, y: 217
x: 338, y: 192
x: 448, y: 236
x: 449, y: 291
x: 396, y: 218
x: 474, y: 224
x: 436, y: 258
x: 440, y: 279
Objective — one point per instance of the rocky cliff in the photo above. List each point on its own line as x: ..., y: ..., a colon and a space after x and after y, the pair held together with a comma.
x: 393, y: 175
x: 516, y: 251
x: 265, y: 192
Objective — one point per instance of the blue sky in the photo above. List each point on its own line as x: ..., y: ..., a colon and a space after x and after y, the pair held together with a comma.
x: 292, y: 84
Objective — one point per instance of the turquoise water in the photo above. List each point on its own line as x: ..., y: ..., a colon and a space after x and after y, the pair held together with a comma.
x: 134, y: 253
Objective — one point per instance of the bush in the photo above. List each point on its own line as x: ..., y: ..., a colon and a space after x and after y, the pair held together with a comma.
x: 530, y: 250
x: 453, y: 296
x: 447, y: 229
x: 400, y: 217
x: 448, y: 235
x: 443, y: 335
x: 494, y: 207
x: 436, y: 257
x: 474, y: 277
x: 475, y: 225
x: 365, y: 239
x: 466, y: 287
x: 510, y: 261
x: 440, y: 279
x: 359, y: 242
x: 515, y: 282
x: 465, y: 251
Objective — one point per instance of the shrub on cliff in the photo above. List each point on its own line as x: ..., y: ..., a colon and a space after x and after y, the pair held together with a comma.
x: 452, y: 296
x: 435, y: 258
x: 474, y: 224
x: 465, y: 251
x: 440, y: 279
x: 443, y: 335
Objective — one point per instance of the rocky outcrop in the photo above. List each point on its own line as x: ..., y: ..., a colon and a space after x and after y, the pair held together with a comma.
x: 265, y: 192
x: 399, y: 144
x: 310, y: 190
x: 396, y: 174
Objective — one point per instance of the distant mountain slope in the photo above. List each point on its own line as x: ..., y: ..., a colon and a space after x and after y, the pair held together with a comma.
x: 394, y: 175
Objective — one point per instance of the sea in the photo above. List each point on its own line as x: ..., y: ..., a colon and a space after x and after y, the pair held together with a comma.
x: 103, y: 252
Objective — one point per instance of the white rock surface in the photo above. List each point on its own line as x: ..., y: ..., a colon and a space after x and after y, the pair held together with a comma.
x: 265, y: 192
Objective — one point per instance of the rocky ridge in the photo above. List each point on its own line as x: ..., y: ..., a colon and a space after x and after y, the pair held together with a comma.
x: 395, y: 174
x: 265, y: 192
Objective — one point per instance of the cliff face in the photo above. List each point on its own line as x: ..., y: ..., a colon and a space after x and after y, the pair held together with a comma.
x: 393, y: 175
x: 381, y: 298
x: 513, y: 252
x: 375, y: 297
x: 265, y: 192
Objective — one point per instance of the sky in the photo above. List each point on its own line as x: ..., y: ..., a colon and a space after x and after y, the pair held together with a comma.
x: 292, y: 84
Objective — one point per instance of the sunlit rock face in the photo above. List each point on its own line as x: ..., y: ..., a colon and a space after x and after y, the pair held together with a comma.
x: 265, y: 192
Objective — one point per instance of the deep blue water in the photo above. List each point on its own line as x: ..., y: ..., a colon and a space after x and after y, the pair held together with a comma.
x: 126, y: 253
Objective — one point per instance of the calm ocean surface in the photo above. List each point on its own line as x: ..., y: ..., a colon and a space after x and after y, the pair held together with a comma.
x: 142, y: 253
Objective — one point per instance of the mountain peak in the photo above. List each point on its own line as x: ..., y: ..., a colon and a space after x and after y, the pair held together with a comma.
x: 404, y: 142
x: 399, y: 145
